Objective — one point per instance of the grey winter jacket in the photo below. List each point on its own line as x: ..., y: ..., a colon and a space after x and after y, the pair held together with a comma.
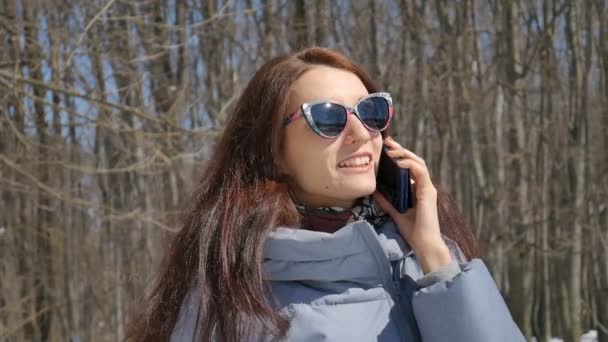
x: 365, y: 284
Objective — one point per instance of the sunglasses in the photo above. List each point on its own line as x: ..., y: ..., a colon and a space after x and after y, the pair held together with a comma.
x: 328, y: 119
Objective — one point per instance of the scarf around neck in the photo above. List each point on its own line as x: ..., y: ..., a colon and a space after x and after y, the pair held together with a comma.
x: 331, y: 219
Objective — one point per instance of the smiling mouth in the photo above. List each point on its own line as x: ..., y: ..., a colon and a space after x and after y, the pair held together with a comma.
x: 355, y: 162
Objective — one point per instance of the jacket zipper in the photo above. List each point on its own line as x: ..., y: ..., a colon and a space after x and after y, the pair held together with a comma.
x: 390, y: 283
x: 395, y: 269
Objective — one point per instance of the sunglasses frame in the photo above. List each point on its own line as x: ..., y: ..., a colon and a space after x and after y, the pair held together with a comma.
x: 305, y: 110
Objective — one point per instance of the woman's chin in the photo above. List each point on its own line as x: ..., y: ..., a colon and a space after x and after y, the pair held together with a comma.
x: 360, y: 190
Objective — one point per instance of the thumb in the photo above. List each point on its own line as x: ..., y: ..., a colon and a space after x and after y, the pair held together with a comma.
x: 384, y: 203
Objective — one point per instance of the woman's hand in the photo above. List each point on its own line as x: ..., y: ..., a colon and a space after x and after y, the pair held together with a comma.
x: 419, y: 225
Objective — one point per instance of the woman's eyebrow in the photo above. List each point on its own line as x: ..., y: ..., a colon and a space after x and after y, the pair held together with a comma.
x: 341, y: 99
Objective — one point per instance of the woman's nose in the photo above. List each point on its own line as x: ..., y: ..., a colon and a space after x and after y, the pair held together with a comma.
x: 355, y: 130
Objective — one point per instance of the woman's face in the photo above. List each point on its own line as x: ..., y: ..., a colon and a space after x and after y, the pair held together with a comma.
x: 317, y: 165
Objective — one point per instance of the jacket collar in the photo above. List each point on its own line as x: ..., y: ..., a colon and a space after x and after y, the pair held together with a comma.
x: 347, y: 254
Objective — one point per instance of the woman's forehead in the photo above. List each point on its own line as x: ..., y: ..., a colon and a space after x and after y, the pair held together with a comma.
x: 327, y: 83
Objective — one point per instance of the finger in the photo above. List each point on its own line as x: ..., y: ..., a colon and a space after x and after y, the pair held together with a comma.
x: 410, y: 154
x: 388, y: 141
x: 403, y: 152
x: 419, y: 174
x: 398, y: 157
x: 395, y: 153
x: 384, y: 204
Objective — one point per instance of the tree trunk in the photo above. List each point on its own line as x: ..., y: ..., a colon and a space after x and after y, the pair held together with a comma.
x: 577, y: 164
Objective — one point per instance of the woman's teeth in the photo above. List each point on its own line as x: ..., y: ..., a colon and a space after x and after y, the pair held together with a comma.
x: 354, y: 162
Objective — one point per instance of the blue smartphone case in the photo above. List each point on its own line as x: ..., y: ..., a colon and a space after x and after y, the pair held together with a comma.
x: 394, y: 183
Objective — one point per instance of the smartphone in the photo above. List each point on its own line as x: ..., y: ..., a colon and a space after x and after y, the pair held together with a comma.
x: 394, y: 183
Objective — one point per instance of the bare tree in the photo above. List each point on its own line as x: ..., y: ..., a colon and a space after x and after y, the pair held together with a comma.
x: 109, y: 110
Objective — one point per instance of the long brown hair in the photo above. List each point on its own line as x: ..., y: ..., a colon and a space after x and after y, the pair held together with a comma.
x: 241, y: 197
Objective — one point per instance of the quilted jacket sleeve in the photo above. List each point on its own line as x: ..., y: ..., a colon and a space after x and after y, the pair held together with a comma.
x: 461, y: 302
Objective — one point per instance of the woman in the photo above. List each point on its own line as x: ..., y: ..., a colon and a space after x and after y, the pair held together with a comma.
x: 287, y: 238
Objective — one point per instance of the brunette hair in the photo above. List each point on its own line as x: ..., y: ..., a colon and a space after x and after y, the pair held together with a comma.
x: 241, y: 197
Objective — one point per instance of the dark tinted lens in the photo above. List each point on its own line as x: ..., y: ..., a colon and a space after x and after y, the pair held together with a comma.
x: 329, y: 118
x: 374, y: 112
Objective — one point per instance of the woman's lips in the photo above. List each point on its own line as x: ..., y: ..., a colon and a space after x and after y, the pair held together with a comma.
x: 357, y: 169
x: 357, y: 160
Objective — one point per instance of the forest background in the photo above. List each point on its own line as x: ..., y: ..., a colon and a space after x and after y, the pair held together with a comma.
x: 109, y: 110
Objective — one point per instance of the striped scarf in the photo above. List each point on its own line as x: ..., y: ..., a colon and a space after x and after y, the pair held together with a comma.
x: 330, y: 219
